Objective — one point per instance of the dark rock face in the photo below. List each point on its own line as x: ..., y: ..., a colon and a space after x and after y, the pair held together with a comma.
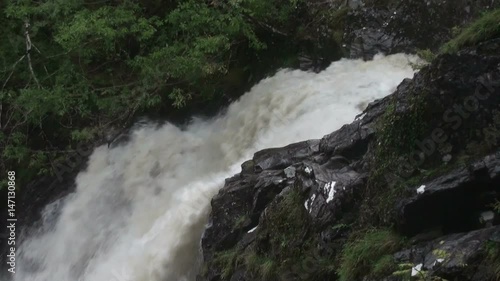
x: 389, y: 27
x: 450, y: 256
x: 290, y: 211
x: 455, y: 200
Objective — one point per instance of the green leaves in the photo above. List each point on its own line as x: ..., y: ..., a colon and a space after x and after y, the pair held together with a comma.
x: 16, y: 150
x: 83, y: 135
x: 96, y: 64
x: 179, y: 97
x: 102, y: 31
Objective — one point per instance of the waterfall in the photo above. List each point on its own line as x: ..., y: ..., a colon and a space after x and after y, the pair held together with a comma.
x: 140, y: 208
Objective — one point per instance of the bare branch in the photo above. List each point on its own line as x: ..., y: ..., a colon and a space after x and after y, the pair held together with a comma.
x: 9, y: 118
x: 36, y: 49
x: 266, y: 26
x: 257, y: 22
x: 28, y: 51
x: 5, y: 84
x: 12, y: 72
x: 21, y: 122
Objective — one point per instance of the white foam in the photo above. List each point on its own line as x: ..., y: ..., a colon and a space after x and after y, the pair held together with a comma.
x: 330, y: 190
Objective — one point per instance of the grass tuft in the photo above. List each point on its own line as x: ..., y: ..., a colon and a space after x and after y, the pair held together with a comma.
x: 496, y: 206
x: 384, y: 266
x: 493, y: 259
x: 485, y: 28
x: 264, y: 267
x: 288, y: 221
x: 267, y: 269
x: 240, y: 221
x: 227, y: 261
x: 368, y: 254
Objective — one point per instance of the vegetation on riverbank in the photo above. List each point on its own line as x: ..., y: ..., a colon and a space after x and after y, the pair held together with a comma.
x: 72, y: 70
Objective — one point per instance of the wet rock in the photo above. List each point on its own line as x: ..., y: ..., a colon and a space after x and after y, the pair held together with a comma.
x: 280, y: 158
x: 228, y: 207
x: 350, y: 141
x: 290, y: 172
x: 336, y: 162
x: 299, y: 202
x: 406, y: 26
x: 454, y: 200
x: 248, y: 167
x: 332, y: 192
x: 268, y: 185
x: 487, y: 218
x: 449, y: 256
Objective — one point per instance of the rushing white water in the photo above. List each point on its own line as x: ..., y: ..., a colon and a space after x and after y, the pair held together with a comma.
x: 139, y: 209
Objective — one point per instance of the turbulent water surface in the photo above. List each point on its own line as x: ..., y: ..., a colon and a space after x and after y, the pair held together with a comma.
x: 139, y: 209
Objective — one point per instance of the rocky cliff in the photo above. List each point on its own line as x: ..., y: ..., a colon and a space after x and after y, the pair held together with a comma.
x: 408, y: 191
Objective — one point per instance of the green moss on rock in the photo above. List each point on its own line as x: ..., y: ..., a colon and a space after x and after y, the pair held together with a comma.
x: 397, y: 134
x: 287, y: 220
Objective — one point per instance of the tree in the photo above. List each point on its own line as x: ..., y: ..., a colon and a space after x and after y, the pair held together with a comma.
x: 71, y: 69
